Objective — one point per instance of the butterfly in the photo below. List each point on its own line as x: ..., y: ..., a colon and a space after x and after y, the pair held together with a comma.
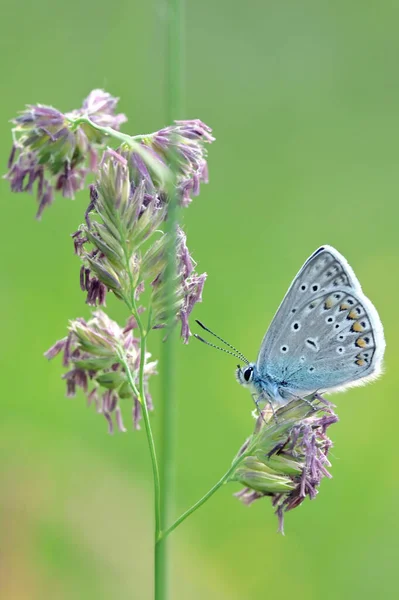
x: 326, y: 336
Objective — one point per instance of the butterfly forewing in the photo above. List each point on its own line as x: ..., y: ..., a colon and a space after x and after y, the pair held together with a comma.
x: 326, y: 334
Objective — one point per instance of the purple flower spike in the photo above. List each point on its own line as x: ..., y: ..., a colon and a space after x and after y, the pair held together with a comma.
x: 188, y: 290
x: 187, y: 138
x: 56, y: 349
x: 50, y: 150
x: 91, y: 349
x: 286, y: 457
x: 100, y: 107
x: 193, y: 287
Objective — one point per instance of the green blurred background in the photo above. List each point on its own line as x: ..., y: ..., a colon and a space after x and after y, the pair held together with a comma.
x: 303, y: 98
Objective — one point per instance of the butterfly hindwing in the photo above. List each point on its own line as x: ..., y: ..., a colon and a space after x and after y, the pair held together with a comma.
x: 326, y: 334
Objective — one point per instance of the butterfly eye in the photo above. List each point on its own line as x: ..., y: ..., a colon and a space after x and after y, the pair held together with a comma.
x: 248, y: 374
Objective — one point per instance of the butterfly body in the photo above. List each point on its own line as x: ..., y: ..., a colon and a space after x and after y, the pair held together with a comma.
x: 326, y: 335
x: 260, y: 386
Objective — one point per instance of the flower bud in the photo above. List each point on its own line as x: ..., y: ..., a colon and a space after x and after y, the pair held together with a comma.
x: 92, y: 339
x: 110, y: 380
x: 260, y: 477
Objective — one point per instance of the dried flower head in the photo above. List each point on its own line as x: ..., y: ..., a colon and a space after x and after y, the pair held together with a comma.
x: 122, y: 245
x: 53, y: 150
x: 90, y: 351
x: 286, y: 457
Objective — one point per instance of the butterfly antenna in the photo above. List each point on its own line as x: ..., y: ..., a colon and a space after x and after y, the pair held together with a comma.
x: 219, y: 348
x: 236, y: 353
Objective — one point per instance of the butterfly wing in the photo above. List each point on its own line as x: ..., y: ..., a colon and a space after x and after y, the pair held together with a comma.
x: 326, y: 335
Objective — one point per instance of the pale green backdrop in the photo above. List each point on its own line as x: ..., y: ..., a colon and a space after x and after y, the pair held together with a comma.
x: 303, y: 97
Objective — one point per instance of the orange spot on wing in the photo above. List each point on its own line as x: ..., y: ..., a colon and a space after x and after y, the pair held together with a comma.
x: 361, y: 362
x: 344, y: 306
x: 328, y: 303
x: 361, y: 343
x: 352, y: 314
x: 357, y: 327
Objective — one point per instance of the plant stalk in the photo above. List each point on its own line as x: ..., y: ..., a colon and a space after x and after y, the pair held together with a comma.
x: 133, y: 142
x: 204, y: 498
x: 173, y: 95
x: 150, y: 438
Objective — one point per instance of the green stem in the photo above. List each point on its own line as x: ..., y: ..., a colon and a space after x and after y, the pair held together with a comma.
x: 173, y: 94
x: 131, y: 141
x: 168, y: 408
x: 204, y: 498
x: 131, y: 303
x: 140, y: 393
x: 174, y: 59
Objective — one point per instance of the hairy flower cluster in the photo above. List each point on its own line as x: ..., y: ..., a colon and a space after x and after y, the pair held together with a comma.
x: 185, y: 140
x: 54, y: 151
x: 188, y: 289
x: 91, y: 351
x: 122, y: 245
x: 286, y: 457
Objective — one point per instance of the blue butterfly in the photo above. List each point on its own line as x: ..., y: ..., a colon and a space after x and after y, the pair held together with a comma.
x: 326, y: 336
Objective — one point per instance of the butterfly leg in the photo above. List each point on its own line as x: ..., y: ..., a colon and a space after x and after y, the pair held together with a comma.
x: 257, y: 398
x: 324, y: 401
x: 310, y: 402
x: 273, y: 411
x: 264, y: 396
x: 278, y: 448
x: 289, y: 443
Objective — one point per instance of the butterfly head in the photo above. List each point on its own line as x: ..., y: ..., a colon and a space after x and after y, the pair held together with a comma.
x: 245, y: 375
